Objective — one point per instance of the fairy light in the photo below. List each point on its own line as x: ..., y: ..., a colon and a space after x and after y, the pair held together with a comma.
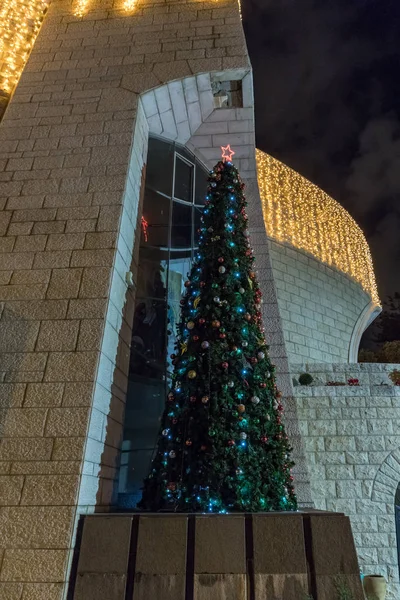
x: 299, y: 213
x: 129, y: 5
x: 20, y: 22
x: 80, y: 8
x: 145, y: 226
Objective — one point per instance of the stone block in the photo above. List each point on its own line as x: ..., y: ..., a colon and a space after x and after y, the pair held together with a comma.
x: 168, y: 558
x: 67, y: 422
x: 273, y: 533
x: 22, y: 422
x: 26, y: 448
x: 11, y: 591
x: 88, y: 308
x: 50, y: 490
x: 11, y: 394
x: 42, y: 591
x: 100, y: 586
x: 33, y: 565
x: 64, y: 283
x: 68, y: 448
x: 223, y: 587
x: 10, y: 489
x: 43, y: 394
x: 220, y: 545
x: 68, y: 366
x: 58, y: 336
x: 111, y: 538
x: 35, y: 527
x: 90, y: 334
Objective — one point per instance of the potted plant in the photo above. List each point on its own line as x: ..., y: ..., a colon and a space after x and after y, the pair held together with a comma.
x: 305, y: 379
x: 375, y: 587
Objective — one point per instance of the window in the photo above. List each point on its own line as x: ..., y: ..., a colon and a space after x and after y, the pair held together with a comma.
x: 175, y: 190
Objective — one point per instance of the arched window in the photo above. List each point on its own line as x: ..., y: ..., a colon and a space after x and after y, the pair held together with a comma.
x: 175, y: 190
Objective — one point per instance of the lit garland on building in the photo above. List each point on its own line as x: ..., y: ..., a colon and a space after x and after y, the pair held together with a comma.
x: 299, y: 213
x: 20, y: 22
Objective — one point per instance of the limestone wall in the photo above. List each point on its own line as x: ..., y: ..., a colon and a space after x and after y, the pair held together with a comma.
x: 352, y: 443
x: 323, y: 311
x: 70, y: 182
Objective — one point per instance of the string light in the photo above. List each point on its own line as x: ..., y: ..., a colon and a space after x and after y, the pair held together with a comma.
x: 299, y: 213
x: 80, y: 8
x: 129, y: 5
x: 145, y: 226
x: 20, y: 22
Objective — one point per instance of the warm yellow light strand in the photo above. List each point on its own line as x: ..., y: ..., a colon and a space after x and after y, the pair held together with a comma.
x: 298, y: 212
x: 20, y: 22
x: 80, y: 8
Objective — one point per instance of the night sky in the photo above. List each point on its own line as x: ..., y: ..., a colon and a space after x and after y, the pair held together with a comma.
x: 327, y: 86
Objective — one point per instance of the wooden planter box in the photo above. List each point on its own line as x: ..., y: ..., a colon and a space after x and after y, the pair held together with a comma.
x: 265, y: 556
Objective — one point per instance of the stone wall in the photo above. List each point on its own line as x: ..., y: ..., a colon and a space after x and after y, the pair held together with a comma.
x: 70, y: 193
x: 352, y: 443
x: 320, y: 307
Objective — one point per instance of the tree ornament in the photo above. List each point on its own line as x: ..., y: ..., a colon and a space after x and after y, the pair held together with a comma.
x: 261, y: 355
x: 171, y: 396
x: 172, y: 454
x: 221, y: 259
x: 171, y: 486
x: 217, y: 299
x: 182, y: 302
x: 222, y: 336
x: 241, y: 408
x: 202, y: 321
x: 216, y: 324
x: 188, y: 442
x: 221, y: 269
x: 253, y: 360
x: 243, y: 435
x: 231, y: 443
x: 205, y: 399
x: 241, y: 290
x: 255, y: 399
x: 205, y: 345
x: 245, y: 344
x: 231, y: 384
x: 187, y: 284
x: 173, y: 356
x: 247, y: 316
x: 190, y: 325
x: 263, y: 385
x: 174, y: 420
x: 165, y: 432
x: 225, y: 365
x: 192, y: 399
x: 264, y: 439
x: 203, y: 448
x: 213, y: 184
x: 202, y: 284
x: 192, y: 374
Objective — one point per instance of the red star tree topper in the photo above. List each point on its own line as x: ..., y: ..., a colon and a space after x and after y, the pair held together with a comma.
x: 227, y: 153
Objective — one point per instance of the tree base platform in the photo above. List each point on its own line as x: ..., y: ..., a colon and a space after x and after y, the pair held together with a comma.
x: 261, y: 556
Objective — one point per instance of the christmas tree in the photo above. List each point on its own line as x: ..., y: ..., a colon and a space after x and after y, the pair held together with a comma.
x: 222, y: 446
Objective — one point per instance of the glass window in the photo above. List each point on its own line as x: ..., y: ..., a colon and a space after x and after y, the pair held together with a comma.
x: 166, y: 249
x: 184, y: 179
x: 181, y: 230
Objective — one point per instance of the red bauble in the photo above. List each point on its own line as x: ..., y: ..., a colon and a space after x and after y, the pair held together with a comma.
x: 280, y: 408
x: 253, y: 360
x: 278, y: 394
x: 263, y: 385
x: 225, y: 365
x: 174, y: 421
x: 234, y: 348
x: 182, y: 302
x: 247, y: 316
x: 187, y: 283
x: 188, y: 442
x: 171, y: 396
x: 222, y: 336
x: 203, y: 448
x: 264, y: 439
x: 196, y: 338
x: 173, y: 356
x: 231, y: 443
x: 171, y: 486
x: 202, y: 321
x: 193, y: 398
x: 202, y: 283
x: 248, y: 252
x: 216, y: 324
x: 221, y: 260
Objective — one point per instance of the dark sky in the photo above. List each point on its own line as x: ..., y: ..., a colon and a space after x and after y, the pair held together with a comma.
x: 327, y: 85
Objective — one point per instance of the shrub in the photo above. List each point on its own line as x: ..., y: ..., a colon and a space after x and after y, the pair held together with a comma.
x: 394, y: 376
x: 305, y: 379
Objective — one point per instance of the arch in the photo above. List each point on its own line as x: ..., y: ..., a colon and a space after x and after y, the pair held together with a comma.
x: 367, y: 316
x: 386, y: 482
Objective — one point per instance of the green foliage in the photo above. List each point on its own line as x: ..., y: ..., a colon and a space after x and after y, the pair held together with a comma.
x: 394, y: 376
x: 306, y: 379
x: 222, y: 446
x: 388, y: 353
x: 342, y: 588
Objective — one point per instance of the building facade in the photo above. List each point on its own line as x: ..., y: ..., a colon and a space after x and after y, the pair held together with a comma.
x: 120, y: 110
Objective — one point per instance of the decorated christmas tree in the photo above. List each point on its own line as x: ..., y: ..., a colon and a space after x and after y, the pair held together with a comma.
x: 222, y: 445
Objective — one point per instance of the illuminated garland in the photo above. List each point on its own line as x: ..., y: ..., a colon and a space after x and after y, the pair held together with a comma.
x: 299, y: 213
x: 20, y: 22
